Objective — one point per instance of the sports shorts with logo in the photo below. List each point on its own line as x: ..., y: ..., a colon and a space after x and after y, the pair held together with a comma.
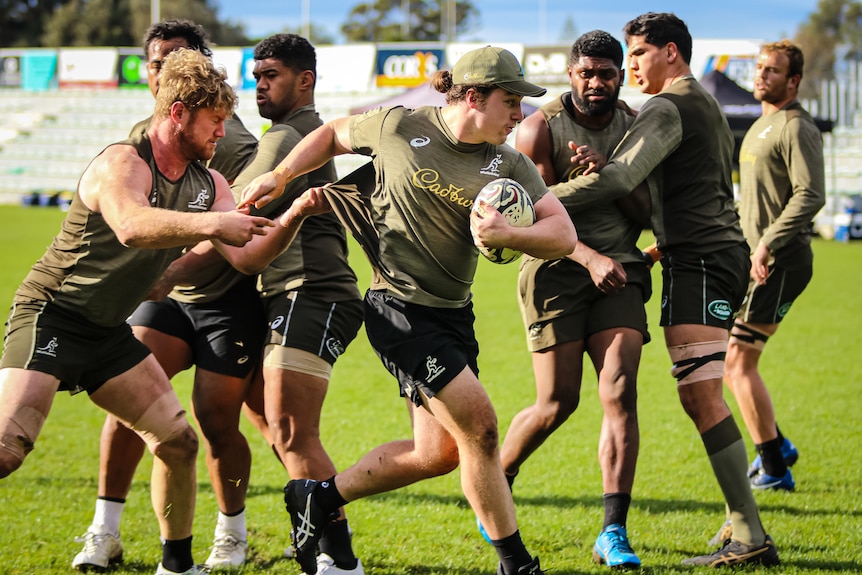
x: 299, y: 321
x: 423, y: 347
x: 561, y: 304
x: 225, y: 336
x: 704, y: 289
x: 769, y: 303
x: 81, y: 354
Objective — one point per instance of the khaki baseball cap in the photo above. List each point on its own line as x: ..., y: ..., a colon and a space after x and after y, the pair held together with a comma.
x: 497, y: 66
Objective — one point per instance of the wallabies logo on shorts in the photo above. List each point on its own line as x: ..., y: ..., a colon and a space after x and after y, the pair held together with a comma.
x: 720, y: 309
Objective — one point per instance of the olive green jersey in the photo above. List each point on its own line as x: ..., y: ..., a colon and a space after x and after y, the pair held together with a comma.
x: 681, y: 145
x: 232, y: 153
x: 426, y: 183
x: 87, y: 271
x: 782, y: 183
x: 316, y: 260
x: 602, y: 227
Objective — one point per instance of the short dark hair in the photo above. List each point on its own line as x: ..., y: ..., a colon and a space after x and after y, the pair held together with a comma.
x: 294, y: 51
x: 597, y: 44
x: 192, y: 33
x: 660, y: 29
x: 796, y: 61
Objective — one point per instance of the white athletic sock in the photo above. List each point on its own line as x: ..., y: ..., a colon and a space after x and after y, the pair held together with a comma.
x: 107, y: 516
x: 233, y: 524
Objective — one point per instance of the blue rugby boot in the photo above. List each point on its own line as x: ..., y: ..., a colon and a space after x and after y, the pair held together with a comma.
x: 788, y: 452
x: 765, y: 481
x: 612, y: 548
x: 483, y: 533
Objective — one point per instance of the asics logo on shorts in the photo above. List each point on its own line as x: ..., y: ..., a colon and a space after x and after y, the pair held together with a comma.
x: 433, y: 369
x: 420, y: 141
x: 243, y: 359
x: 50, y: 348
x: 277, y: 322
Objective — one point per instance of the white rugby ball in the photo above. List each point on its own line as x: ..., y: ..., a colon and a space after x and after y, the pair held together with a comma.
x: 512, y: 200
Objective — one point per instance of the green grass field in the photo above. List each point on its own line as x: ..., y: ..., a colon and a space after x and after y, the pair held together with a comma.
x: 812, y: 367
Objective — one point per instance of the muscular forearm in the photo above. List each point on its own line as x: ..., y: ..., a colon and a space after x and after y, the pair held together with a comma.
x: 156, y: 228
x: 313, y: 151
x: 257, y: 254
x: 550, y: 238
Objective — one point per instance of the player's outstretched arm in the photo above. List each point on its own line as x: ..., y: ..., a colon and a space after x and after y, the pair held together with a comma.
x: 117, y: 185
x: 314, y: 150
x: 256, y: 255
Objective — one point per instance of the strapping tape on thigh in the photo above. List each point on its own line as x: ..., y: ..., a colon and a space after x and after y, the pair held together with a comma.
x: 698, y: 361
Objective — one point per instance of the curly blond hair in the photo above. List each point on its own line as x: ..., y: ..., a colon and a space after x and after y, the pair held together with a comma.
x: 190, y: 77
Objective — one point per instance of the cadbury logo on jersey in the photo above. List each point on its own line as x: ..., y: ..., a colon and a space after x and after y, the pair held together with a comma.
x: 428, y: 179
x: 575, y: 172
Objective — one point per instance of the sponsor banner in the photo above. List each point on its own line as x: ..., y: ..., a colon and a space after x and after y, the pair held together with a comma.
x: 407, y: 66
x: 345, y: 68
x: 10, y: 69
x: 230, y: 59
x: 87, y: 68
x: 248, y: 81
x: 39, y: 70
x: 131, y: 68
x: 734, y: 58
x: 738, y: 67
x: 547, y: 65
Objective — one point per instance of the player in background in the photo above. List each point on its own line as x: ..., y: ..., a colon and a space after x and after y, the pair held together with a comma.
x: 430, y: 164
x: 214, y: 322
x: 591, y: 301
x: 782, y: 187
x: 138, y: 204
x: 313, y: 305
x: 681, y: 144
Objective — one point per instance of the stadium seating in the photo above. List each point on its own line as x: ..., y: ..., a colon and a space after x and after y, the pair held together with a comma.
x: 48, y: 138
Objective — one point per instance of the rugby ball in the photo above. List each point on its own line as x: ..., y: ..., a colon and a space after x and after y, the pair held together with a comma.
x: 510, y: 199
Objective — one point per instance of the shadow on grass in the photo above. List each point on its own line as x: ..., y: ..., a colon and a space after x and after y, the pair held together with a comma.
x: 650, y: 505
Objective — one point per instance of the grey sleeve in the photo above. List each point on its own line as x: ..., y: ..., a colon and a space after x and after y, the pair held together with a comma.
x: 655, y: 133
x: 802, y: 149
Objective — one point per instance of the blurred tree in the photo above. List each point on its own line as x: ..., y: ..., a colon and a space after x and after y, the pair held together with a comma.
x: 317, y: 35
x: 104, y: 22
x: 381, y: 21
x: 836, y: 27
x: 570, y: 31
x: 22, y: 21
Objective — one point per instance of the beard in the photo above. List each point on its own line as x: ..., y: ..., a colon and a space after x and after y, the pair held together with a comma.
x: 193, y: 148
x: 596, y: 108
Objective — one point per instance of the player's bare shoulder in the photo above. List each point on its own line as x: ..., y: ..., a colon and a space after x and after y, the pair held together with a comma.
x: 118, y: 167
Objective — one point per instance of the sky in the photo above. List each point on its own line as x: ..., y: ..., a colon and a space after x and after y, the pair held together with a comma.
x: 542, y: 22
